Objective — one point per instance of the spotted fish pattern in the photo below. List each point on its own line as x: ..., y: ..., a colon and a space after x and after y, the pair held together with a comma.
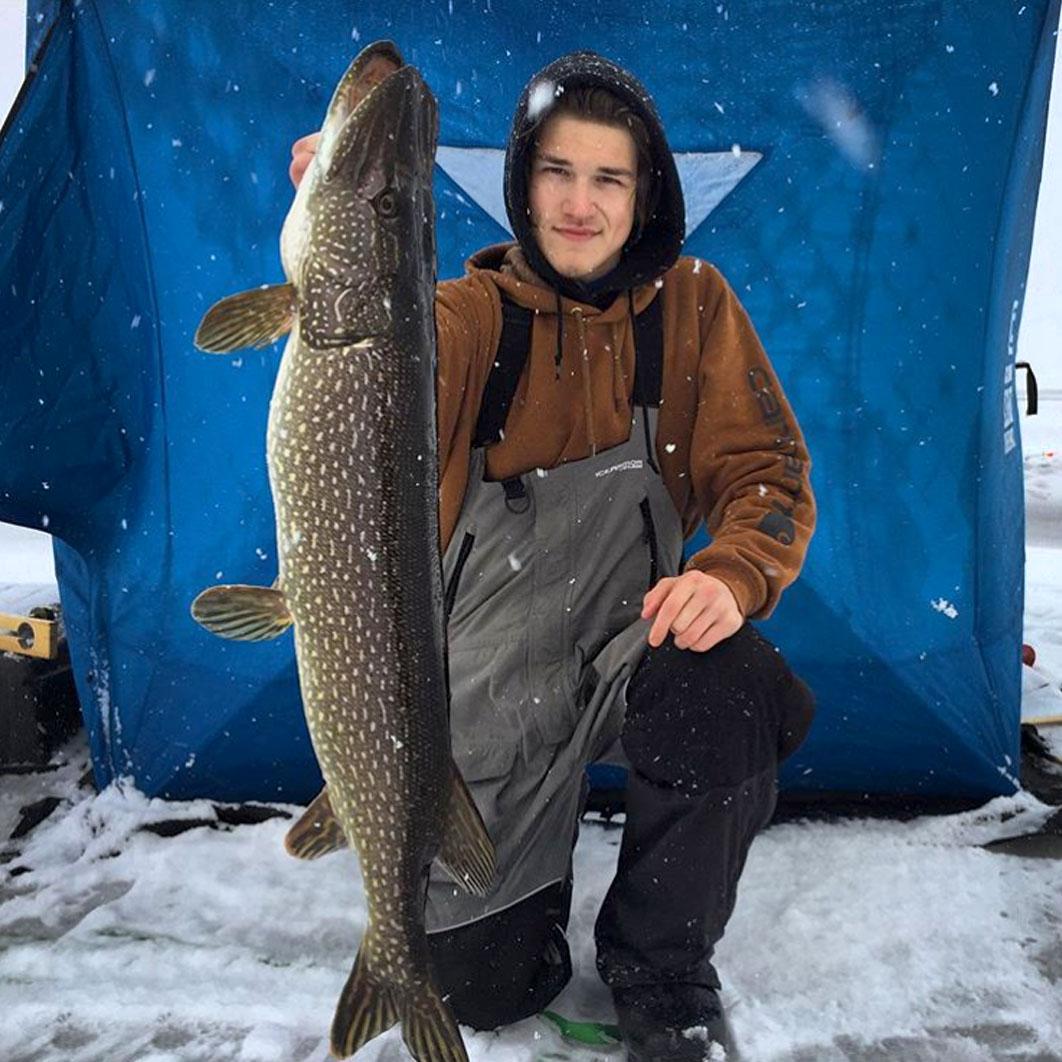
x: 353, y: 470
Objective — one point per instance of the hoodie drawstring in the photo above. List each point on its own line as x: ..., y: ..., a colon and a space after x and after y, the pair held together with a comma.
x: 560, y: 338
x: 584, y: 370
x: 650, y: 456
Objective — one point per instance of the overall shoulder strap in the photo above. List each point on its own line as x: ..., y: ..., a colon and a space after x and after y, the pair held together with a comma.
x: 649, y: 356
x: 513, y: 349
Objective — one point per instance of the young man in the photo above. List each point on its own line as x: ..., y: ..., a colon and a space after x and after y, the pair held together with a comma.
x: 598, y: 398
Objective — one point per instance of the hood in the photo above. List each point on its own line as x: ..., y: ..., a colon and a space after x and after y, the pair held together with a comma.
x: 660, y: 242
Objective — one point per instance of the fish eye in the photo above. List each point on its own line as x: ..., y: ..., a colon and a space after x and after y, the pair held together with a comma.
x: 386, y: 203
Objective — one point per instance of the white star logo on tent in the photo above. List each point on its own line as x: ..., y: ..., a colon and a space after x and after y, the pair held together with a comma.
x: 707, y: 177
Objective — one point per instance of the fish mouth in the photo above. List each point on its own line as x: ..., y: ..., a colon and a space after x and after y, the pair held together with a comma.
x: 393, y: 122
x: 371, y: 67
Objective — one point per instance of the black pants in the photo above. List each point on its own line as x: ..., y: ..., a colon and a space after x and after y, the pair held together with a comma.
x: 704, y: 733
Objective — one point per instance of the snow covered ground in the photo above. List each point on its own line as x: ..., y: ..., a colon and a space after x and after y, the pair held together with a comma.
x: 853, y: 941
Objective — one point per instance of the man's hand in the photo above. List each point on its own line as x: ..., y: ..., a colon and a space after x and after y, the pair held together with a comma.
x: 302, y: 153
x: 698, y: 609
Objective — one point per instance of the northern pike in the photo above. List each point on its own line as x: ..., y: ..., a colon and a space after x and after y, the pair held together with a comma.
x: 351, y: 449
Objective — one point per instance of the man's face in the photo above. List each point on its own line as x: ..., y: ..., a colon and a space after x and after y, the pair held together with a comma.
x: 583, y: 180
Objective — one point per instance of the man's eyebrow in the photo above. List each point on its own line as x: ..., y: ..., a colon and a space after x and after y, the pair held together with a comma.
x: 611, y: 171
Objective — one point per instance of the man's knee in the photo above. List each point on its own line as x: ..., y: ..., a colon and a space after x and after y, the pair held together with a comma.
x: 704, y: 720
x: 507, y: 966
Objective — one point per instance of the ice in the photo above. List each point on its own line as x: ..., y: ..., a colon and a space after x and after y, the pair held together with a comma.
x: 217, y: 943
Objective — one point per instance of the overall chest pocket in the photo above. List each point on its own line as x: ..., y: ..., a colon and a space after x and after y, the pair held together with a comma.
x: 468, y: 540
x: 487, y: 589
x: 651, y: 542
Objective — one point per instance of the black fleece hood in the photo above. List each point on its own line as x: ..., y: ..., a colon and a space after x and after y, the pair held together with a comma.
x: 658, y: 246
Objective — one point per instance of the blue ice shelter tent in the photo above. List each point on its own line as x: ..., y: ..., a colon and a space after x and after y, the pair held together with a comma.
x: 865, y: 174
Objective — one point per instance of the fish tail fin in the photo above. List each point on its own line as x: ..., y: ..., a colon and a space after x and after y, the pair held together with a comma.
x: 317, y: 831
x: 366, y: 1008
x: 429, y: 1029
x: 466, y: 850
x: 370, y: 1005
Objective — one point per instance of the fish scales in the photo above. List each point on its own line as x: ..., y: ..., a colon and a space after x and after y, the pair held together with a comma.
x: 351, y: 451
x: 376, y: 756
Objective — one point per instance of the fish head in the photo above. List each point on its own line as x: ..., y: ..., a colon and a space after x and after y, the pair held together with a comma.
x: 372, y: 65
x: 372, y: 218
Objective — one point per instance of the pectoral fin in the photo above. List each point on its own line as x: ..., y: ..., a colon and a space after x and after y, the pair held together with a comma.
x: 251, y: 319
x: 246, y: 613
x: 317, y: 831
x: 466, y: 852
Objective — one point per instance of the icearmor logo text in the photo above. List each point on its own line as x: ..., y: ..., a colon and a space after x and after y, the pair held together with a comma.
x: 623, y: 466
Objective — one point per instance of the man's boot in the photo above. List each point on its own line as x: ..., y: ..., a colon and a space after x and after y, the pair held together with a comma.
x: 673, y: 1022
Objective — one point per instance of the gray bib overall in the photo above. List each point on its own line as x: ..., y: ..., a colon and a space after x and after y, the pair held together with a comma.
x: 545, y: 577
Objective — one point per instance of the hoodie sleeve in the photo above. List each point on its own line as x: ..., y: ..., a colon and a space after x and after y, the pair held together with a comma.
x: 749, y: 464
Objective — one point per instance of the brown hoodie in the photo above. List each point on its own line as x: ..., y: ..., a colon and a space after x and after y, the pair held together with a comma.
x: 728, y: 446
